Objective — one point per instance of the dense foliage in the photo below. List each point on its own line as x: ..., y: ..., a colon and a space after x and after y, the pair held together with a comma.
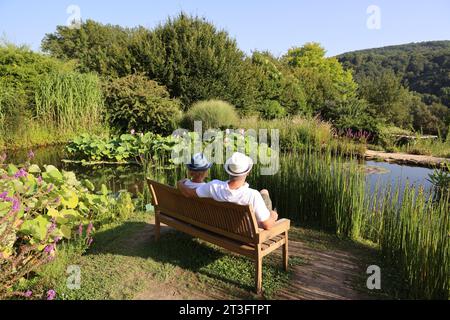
x: 69, y: 101
x: 423, y: 67
x: 38, y: 209
x: 126, y: 147
x: 387, y: 74
x: 96, y: 47
x: 195, y: 62
x: 134, y: 102
x: 43, y: 100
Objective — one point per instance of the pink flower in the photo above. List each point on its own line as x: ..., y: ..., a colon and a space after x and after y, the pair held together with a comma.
x: 16, y: 205
x: 89, y: 229
x: 30, y: 154
x: 51, y: 294
x: 90, y: 241
x: 28, y: 293
x: 80, y: 230
x: 21, y: 173
x: 52, y: 227
x: 49, y: 249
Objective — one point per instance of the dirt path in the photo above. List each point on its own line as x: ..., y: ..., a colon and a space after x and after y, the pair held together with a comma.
x: 404, y: 158
x: 327, y: 273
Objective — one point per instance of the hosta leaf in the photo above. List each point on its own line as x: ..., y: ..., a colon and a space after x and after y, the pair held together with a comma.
x: 37, y: 227
x: 66, y: 231
x: 12, y: 170
x: 70, y: 199
x: 34, y: 169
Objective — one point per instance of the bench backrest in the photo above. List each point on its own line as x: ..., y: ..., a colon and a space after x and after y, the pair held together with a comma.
x: 228, y: 219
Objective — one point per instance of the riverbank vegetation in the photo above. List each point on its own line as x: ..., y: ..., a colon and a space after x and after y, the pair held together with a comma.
x: 150, y: 79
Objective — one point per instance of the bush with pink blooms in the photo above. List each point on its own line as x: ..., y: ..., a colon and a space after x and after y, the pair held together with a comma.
x: 40, y: 208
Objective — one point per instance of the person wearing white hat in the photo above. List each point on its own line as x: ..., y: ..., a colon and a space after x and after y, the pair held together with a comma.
x: 236, y: 190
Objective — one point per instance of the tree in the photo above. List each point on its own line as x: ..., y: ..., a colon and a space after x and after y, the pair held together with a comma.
x: 323, y: 79
x: 388, y: 100
x: 274, y: 82
x: 195, y: 61
x: 96, y: 47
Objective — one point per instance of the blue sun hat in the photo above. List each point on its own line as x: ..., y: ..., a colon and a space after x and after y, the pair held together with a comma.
x: 199, y: 163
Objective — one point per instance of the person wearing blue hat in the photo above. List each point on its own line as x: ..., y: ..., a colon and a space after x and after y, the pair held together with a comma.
x: 197, y: 171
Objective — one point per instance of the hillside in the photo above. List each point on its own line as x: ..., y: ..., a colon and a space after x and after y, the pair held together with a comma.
x: 424, y: 67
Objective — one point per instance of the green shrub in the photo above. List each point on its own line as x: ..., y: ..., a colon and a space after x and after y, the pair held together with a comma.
x: 214, y: 114
x: 136, y: 103
x: 350, y: 114
x: 272, y: 110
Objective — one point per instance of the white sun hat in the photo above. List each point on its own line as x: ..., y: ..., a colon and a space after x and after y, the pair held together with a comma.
x: 238, y: 165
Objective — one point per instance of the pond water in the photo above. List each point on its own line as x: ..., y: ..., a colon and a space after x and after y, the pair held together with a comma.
x: 131, y: 177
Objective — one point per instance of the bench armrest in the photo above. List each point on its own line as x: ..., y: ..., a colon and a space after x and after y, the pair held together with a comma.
x: 279, y: 227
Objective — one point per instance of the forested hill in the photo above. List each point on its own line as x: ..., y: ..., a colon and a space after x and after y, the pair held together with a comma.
x: 423, y: 67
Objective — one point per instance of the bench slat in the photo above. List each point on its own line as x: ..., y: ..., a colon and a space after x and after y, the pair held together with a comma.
x: 234, y: 246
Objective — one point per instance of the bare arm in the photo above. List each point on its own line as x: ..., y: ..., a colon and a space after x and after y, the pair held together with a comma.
x: 267, y: 224
x: 185, y: 191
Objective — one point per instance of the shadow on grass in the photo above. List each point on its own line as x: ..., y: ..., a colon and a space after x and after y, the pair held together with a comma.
x: 175, y: 248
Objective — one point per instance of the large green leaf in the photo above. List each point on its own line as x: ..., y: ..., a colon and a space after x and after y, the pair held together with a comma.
x: 37, y: 227
x: 69, y: 199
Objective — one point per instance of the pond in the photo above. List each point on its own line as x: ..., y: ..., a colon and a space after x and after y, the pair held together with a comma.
x: 131, y: 177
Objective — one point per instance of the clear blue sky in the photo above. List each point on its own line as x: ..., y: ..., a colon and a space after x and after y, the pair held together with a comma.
x: 275, y: 25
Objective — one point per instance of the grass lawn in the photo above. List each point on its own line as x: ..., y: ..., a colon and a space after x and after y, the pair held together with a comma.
x: 125, y: 263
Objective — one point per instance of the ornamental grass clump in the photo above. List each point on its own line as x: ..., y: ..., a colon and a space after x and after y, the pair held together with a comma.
x: 70, y: 101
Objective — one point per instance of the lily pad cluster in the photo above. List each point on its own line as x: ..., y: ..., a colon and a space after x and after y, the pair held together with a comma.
x: 123, y: 148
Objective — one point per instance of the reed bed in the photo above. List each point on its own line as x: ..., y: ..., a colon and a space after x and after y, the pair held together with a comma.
x: 70, y: 101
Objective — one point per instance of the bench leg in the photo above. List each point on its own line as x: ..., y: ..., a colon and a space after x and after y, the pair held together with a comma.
x: 286, y: 252
x: 258, y: 274
x: 157, y: 226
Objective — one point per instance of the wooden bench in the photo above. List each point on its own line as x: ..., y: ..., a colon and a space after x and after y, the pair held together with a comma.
x: 227, y: 225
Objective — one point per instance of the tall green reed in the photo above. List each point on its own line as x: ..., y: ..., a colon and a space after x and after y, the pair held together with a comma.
x: 69, y: 101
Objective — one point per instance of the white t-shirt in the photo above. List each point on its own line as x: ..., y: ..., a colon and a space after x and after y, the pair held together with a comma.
x: 193, y: 185
x: 220, y: 191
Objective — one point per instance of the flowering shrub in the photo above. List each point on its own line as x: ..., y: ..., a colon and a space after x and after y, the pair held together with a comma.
x: 38, y: 209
